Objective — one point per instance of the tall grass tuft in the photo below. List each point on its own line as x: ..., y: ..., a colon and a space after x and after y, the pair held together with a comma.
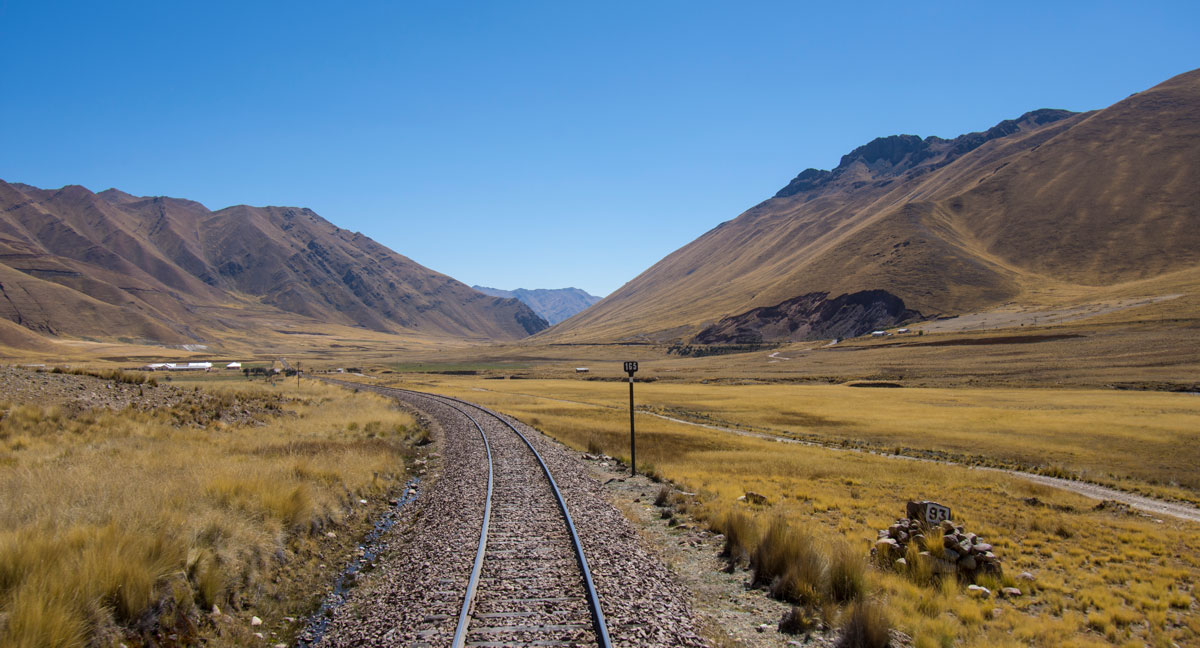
x: 41, y: 618
x: 789, y: 562
x: 418, y: 436
x: 57, y: 580
x: 797, y: 620
x: 741, y: 535
x: 594, y: 447
x: 664, y: 496
x: 920, y: 568
x: 292, y: 506
x: 847, y: 574
x: 865, y: 626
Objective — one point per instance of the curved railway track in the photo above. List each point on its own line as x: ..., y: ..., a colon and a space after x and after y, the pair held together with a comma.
x: 530, y: 584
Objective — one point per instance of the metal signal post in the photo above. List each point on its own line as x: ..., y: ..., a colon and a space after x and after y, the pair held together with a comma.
x: 631, y: 368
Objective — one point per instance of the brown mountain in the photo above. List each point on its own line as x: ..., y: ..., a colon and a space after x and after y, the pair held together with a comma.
x: 1045, y: 206
x: 112, y: 265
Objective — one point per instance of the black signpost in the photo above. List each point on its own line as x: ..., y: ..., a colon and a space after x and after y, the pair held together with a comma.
x: 631, y: 368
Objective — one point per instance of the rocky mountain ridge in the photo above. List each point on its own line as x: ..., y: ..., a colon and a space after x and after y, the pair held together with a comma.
x: 1040, y: 209
x: 899, y: 155
x: 552, y: 304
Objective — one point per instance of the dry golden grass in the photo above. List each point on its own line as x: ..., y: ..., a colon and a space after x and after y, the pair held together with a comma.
x: 1141, y: 441
x: 1134, y: 576
x: 118, y: 522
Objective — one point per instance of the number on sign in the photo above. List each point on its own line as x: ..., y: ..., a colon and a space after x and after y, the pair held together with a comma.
x: 630, y: 367
x: 935, y: 513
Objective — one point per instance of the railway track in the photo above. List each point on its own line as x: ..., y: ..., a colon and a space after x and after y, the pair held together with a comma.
x: 529, y: 583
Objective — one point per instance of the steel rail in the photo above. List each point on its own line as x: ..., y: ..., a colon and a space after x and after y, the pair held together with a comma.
x: 598, y: 621
x: 460, y: 632
x: 601, y: 626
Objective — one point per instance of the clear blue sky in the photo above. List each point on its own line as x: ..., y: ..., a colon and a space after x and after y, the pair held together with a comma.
x: 534, y: 144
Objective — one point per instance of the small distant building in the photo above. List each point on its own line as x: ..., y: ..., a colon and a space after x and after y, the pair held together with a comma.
x: 878, y: 333
x: 179, y: 366
x: 902, y: 331
x: 581, y: 369
x: 234, y: 365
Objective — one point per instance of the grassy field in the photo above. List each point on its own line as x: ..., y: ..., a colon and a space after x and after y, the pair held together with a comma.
x: 455, y: 367
x: 120, y: 526
x: 1103, y: 576
x: 1141, y: 441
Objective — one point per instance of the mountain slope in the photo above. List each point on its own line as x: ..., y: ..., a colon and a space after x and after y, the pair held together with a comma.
x: 115, y: 265
x: 1051, y: 200
x: 552, y: 304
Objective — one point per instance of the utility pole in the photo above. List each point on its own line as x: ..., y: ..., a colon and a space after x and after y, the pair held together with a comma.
x: 631, y: 368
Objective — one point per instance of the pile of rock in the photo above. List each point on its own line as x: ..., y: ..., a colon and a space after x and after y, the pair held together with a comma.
x: 947, y: 547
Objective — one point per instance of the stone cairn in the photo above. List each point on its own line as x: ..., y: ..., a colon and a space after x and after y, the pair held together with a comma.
x: 928, y: 524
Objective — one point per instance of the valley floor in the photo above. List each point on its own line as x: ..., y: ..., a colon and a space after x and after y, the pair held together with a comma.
x: 1103, y: 573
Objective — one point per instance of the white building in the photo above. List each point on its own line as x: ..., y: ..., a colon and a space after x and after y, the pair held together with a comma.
x: 178, y: 366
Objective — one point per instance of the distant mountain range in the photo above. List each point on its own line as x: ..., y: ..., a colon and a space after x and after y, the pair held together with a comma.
x: 1042, y: 209
x: 1050, y: 207
x: 553, y: 304
x: 166, y: 270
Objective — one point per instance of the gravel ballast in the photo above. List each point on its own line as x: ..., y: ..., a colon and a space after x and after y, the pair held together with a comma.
x: 414, y: 595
